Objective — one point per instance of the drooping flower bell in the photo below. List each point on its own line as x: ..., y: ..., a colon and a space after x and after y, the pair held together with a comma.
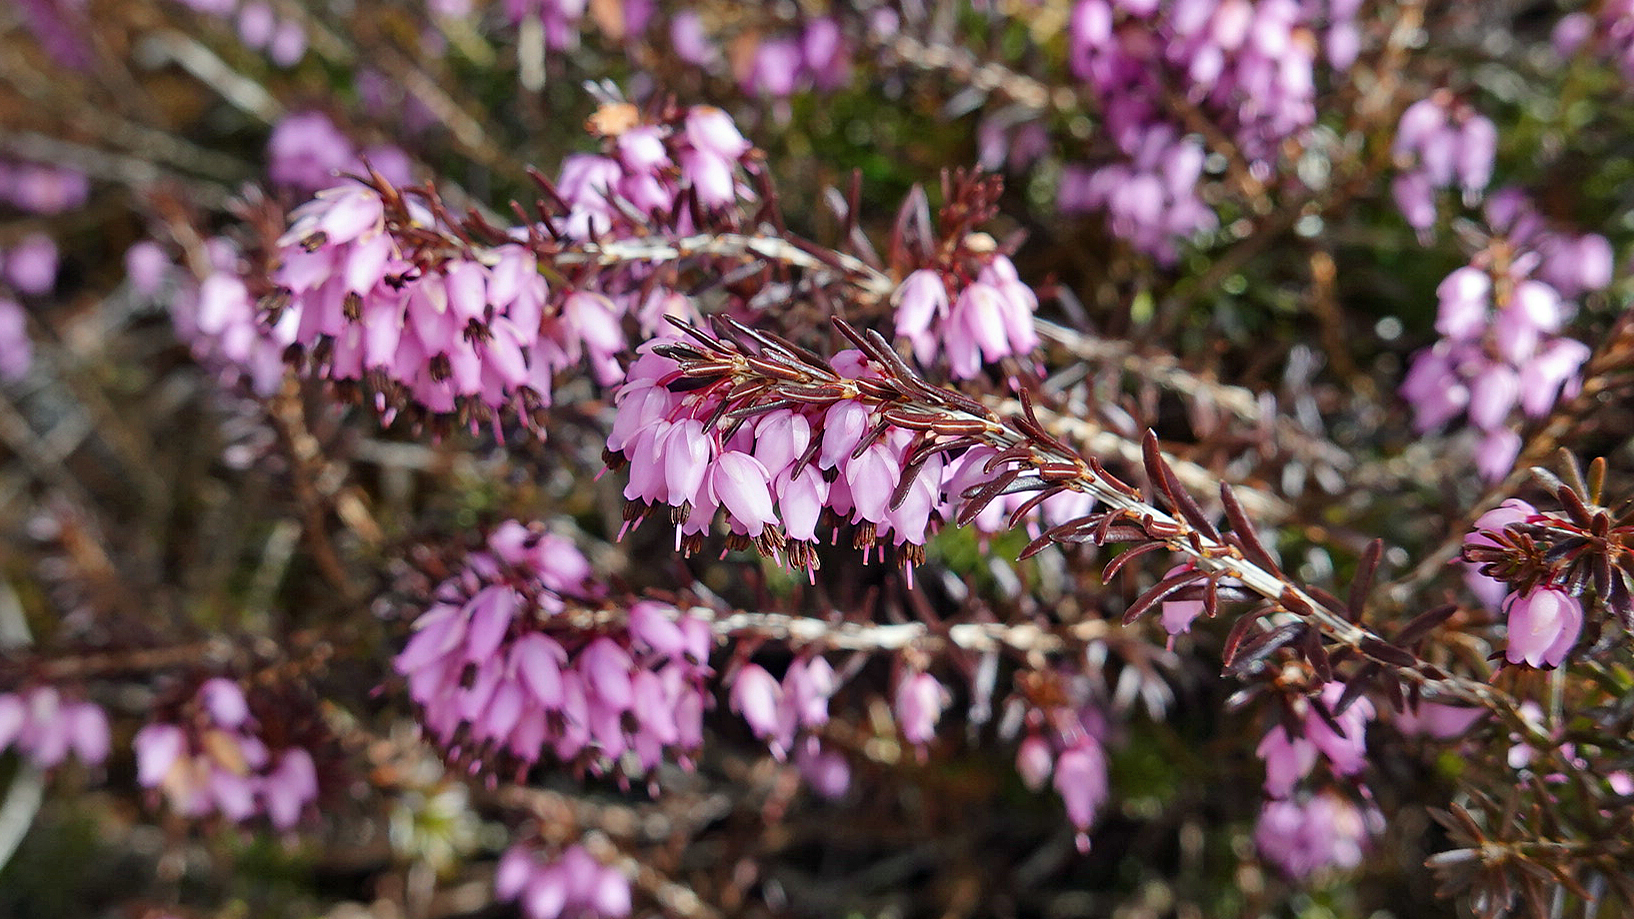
x: 1543, y: 626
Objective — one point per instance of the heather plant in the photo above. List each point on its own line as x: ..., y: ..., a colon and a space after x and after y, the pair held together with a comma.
x: 592, y: 459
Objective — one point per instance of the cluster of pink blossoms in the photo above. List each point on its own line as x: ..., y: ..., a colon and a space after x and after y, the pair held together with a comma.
x: 778, y: 476
x: 773, y: 475
x: 44, y: 727
x: 1499, y: 318
x: 500, y: 666
x: 1302, y: 836
x: 307, y: 151
x: 1250, y: 66
x: 387, y: 293
x: 815, y: 58
x: 259, y: 27
x: 560, y: 18
x: 787, y: 715
x: 1289, y: 759
x: 1608, y: 32
x: 215, y: 315
x: 571, y: 883
x: 1441, y: 143
x: 1301, y: 833
x: 1067, y: 741
x: 990, y: 317
x: 1544, y: 622
x: 216, y: 761
x: 41, y: 189
x: 1151, y: 199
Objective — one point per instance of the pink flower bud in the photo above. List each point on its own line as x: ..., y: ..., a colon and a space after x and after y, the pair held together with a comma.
x: 1080, y: 780
x: 651, y: 624
x: 31, y: 267
x: 158, y: 747
x: 88, y: 734
x: 225, y: 702
x: 757, y: 696
x: 1034, y: 761
x: 1287, y: 760
x: 710, y: 129
x: 919, y: 702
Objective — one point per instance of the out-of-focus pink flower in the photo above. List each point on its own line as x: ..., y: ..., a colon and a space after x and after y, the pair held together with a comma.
x: 1442, y: 722
x: 1322, y: 832
x: 919, y: 702
x: 42, y: 189
x: 219, y: 762
x: 146, y: 266
x: 306, y: 151
x: 45, y: 728
x: 1034, y: 761
x: 31, y: 266
x: 572, y: 883
x: 825, y: 770
x: 1080, y: 780
x: 16, y: 348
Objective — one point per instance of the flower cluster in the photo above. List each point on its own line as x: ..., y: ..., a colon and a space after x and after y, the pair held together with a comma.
x: 989, y: 319
x: 1322, y: 831
x: 1340, y: 739
x: 1607, y: 31
x: 44, y: 727
x: 1066, y: 739
x: 773, y: 475
x: 570, y: 883
x: 385, y: 289
x: 1151, y: 199
x: 777, y: 710
x: 259, y: 27
x: 41, y: 189
x: 787, y: 714
x: 307, y: 151
x: 1499, y: 318
x: 217, y: 760
x: 502, y: 664
x: 215, y: 315
x: 1441, y: 143
x: 561, y: 18
x: 816, y: 58
x: 1249, y: 66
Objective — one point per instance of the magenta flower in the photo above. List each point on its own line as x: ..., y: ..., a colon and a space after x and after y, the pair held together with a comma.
x: 498, y: 677
x: 1080, y: 780
x: 572, y: 884
x: 1034, y: 761
x: 306, y: 150
x: 919, y: 702
x: 1543, y: 627
x: 757, y: 696
x: 31, y: 266
x: 1323, y: 832
x: 219, y: 762
x: 45, y: 728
